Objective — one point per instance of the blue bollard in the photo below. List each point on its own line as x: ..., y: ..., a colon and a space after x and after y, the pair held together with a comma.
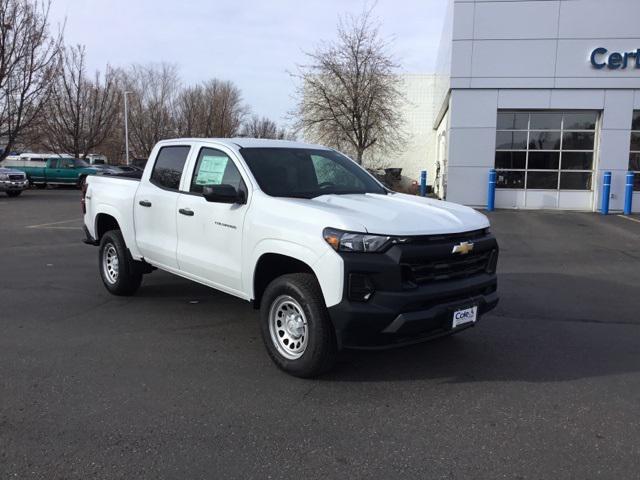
x: 628, y: 193
x: 423, y: 183
x: 606, y: 193
x: 491, y: 200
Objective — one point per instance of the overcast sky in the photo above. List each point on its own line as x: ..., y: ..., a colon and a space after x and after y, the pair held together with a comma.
x: 251, y: 42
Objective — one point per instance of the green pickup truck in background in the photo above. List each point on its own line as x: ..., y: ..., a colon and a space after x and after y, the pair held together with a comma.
x: 54, y: 171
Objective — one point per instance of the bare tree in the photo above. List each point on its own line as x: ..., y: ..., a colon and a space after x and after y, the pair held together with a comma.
x: 29, y: 61
x: 81, y: 112
x: 348, y: 95
x: 189, y: 111
x: 154, y: 89
x: 264, y: 127
x: 212, y: 109
x: 113, y: 146
x: 224, y: 109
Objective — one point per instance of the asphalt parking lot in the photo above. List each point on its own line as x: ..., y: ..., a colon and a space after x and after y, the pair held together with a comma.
x: 175, y: 382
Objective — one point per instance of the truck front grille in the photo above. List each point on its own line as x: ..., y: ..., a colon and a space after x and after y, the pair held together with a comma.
x: 431, y: 259
x: 450, y: 268
x: 16, y: 177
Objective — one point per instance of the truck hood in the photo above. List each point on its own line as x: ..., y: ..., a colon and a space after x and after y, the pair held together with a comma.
x: 12, y: 171
x: 400, y: 214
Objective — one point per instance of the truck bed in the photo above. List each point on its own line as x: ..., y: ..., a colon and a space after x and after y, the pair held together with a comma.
x: 112, y: 195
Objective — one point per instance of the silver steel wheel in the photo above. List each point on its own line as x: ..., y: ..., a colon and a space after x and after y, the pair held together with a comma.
x: 288, y: 327
x: 110, y: 263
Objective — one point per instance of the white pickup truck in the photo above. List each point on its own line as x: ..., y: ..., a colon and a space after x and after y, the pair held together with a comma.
x: 332, y: 258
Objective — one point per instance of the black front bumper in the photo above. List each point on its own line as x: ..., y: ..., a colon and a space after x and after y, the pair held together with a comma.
x: 401, y: 311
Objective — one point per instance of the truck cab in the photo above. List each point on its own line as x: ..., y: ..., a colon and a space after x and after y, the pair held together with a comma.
x: 331, y: 257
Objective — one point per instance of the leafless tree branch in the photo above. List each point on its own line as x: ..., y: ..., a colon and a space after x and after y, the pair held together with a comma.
x: 29, y: 62
x: 257, y: 127
x: 81, y: 112
x: 348, y: 95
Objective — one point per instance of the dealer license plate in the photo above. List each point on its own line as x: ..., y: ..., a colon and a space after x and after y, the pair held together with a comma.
x: 468, y: 315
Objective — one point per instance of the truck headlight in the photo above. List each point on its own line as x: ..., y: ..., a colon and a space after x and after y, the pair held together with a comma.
x: 354, y: 241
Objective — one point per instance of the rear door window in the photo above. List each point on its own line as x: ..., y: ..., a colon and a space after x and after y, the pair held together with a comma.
x: 169, y: 165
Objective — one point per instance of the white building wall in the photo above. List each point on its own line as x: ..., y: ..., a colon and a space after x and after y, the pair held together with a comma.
x: 472, y: 139
x: 534, y: 54
x: 418, y: 112
x: 443, y: 63
x: 442, y: 160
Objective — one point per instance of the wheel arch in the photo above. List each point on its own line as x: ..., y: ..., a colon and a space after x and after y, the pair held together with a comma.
x: 105, y: 222
x: 81, y: 179
x: 271, y: 266
x: 327, y: 266
x: 110, y: 218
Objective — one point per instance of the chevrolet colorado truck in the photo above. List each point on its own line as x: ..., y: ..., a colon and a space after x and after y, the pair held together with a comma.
x: 331, y: 257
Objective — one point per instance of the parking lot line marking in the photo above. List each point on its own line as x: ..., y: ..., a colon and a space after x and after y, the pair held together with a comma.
x: 61, y: 228
x: 629, y: 218
x: 52, y: 223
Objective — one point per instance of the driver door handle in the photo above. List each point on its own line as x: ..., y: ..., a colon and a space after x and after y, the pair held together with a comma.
x: 186, y: 211
x: 145, y: 203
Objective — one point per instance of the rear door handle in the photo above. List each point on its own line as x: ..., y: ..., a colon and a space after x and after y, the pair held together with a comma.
x: 186, y: 211
x: 145, y: 203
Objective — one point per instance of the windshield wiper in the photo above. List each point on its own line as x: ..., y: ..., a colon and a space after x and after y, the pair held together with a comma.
x: 296, y: 195
x: 340, y: 192
x: 310, y: 195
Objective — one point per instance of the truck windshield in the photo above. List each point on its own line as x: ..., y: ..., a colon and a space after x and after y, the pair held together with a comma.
x: 79, y: 163
x: 307, y: 173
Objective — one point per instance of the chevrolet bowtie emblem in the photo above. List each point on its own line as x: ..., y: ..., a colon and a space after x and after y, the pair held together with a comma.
x: 463, y: 248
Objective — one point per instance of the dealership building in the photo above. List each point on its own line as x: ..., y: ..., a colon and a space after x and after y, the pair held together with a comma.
x: 547, y: 92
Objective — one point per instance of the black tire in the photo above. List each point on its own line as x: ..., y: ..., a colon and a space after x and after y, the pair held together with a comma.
x: 14, y: 193
x: 128, y: 276
x: 41, y: 186
x: 320, y: 352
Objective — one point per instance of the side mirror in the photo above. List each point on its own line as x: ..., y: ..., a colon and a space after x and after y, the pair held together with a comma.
x: 223, y: 194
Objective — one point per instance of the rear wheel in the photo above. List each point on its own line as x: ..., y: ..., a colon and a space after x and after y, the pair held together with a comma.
x: 296, y: 327
x: 14, y: 193
x: 118, y: 270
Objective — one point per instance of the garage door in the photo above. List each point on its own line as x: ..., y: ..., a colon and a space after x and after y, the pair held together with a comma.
x: 545, y: 159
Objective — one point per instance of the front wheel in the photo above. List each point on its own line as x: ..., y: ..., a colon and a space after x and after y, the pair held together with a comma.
x: 296, y: 327
x: 117, y: 269
x: 14, y: 193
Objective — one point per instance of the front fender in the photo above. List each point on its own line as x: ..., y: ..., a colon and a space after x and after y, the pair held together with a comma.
x: 325, y: 264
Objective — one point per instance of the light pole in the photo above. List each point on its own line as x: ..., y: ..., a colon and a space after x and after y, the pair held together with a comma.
x: 126, y: 127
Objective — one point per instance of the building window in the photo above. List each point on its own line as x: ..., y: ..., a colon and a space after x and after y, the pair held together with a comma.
x: 546, y: 150
x: 634, y: 156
